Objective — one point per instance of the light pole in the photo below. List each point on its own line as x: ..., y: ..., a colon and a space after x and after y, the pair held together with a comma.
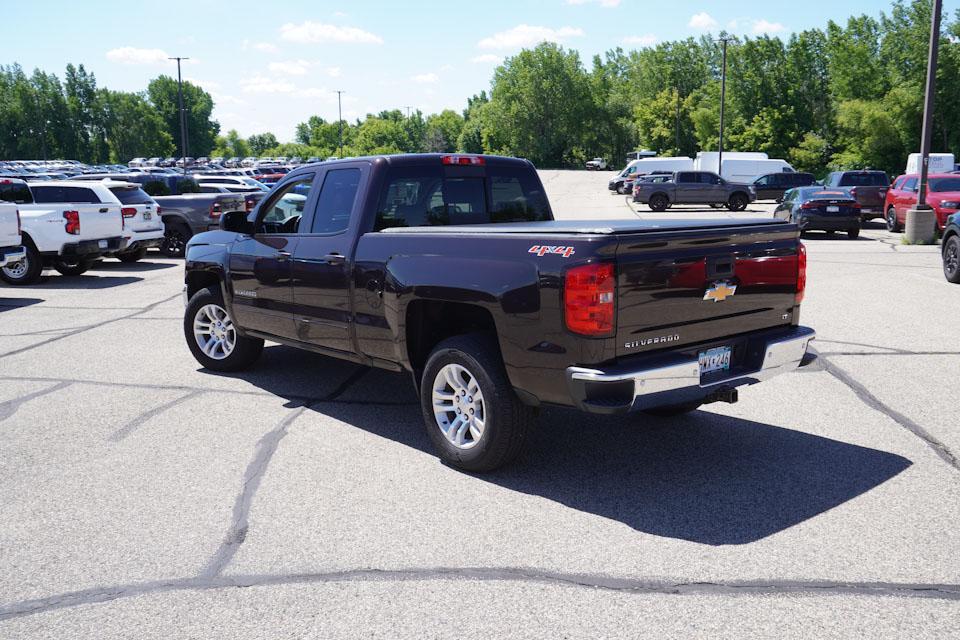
x: 340, y: 123
x: 183, y: 121
x: 723, y: 100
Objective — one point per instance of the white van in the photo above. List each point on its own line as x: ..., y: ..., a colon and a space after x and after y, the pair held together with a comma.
x: 645, y: 166
x: 710, y: 160
x: 939, y: 163
x: 737, y: 170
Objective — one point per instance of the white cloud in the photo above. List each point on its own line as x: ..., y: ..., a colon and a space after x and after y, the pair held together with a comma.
x: 702, y: 21
x: 266, y: 47
x: 290, y: 67
x: 446, y: 67
x: 646, y: 40
x: 603, y: 3
x: 489, y: 58
x: 333, y: 72
x: 426, y: 78
x: 525, y: 35
x: 261, y: 84
x: 311, y: 32
x: 135, y: 56
x: 764, y: 26
x: 208, y: 85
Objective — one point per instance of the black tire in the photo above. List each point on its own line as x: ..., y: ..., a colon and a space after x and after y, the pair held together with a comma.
x: 854, y: 233
x: 714, y: 205
x: 620, y: 189
x: 951, y: 259
x: 507, y: 421
x: 674, y: 410
x: 132, y: 256
x: 245, y: 352
x: 175, y: 238
x: 892, y: 225
x: 25, y: 272
x: 737, y: 202
x: 74, y: 267
x: 658, y: 202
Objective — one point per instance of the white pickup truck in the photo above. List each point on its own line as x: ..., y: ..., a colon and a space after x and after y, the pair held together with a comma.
x: 11, y: 251
x: 67, y: 237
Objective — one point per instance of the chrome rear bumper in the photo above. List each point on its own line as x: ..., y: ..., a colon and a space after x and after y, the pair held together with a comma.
x: 674, y: 378
x: 11, y: 255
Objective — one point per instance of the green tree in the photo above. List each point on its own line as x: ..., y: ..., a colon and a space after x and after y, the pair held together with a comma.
x: 198, y: 104
x: 443, y: 131
x: 260, y: 142
x: 132, y: 127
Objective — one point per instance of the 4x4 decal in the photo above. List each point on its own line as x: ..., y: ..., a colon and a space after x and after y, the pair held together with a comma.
x: 542, y: 250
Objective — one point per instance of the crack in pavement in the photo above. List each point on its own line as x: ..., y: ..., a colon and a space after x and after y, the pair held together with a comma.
x: 89, y: 327
x: 10, y: 407
x: 131, y: 426
x: 263, y: 455
x: 872, y: 401
x: 98, y: 595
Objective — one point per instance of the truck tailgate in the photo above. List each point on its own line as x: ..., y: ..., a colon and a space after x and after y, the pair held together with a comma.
x: 695, y: 286
x: 98, y: 220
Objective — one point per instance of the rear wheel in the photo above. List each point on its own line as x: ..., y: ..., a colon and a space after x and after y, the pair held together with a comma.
x: 737, y: 202
x: 132, y: 256
x: 74, y: 267
x: 25, y: 272
x: 175, y: 238
x: 854, y: 233
x: 892, y: 225
x: 659, y: 202
x: 472, y: 415
x: 212, y: 336
x: 951, y: 259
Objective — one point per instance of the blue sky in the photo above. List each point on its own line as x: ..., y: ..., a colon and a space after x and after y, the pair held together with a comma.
x: 272, y: 64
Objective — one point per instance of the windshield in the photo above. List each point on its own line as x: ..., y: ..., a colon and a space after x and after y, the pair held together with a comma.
x: 864, y: 179
x: 945, y: 184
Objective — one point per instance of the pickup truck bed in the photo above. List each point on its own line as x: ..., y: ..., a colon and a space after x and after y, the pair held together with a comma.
x: 604, y: 316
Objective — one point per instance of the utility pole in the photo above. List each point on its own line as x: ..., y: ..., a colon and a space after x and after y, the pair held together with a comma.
x: 678, y: 120
x: 723, y: 100
x: 921, y: 227
x: 340, y: 123
x: 408, y: 111
x: 928, y: 101
x: 183, y: 120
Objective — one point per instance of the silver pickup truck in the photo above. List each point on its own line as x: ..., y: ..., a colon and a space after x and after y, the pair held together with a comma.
x: 694, y: 187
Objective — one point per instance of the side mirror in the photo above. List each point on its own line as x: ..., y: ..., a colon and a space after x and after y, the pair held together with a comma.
x: 236, y: 221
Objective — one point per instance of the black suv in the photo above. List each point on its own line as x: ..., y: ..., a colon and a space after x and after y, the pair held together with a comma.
x: 772, y: 186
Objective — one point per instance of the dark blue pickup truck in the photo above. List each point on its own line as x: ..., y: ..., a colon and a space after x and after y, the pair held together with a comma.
x: 452, y: 267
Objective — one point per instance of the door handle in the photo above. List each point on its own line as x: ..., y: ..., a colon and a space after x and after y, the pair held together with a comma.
x: 104, y: 210
x: 283, y: 256
x: 335, y: 258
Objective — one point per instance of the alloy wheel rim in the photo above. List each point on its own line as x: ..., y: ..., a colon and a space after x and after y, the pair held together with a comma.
x: 953, y: 257
x: 458, y: 406
x: 17, y: 270
x: 891, y: 221
x: 214, y: 332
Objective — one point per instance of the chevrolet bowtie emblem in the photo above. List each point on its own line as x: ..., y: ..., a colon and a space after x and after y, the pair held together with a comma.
x: 720, y: 291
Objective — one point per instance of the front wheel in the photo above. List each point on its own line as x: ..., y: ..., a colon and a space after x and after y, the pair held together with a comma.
x: 854, y: 233
x: 212, y: 336
x: 951, y: 260
x: 25, y: 272
x: 737, y: 202
x: 893, y: 226
x: 74, y: 267
x: 472, y: 415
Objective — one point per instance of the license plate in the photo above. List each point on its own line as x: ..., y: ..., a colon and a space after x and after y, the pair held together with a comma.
x: 715, y: 360
x: 833, y: 209
x: 147, y: 215
x: 103, y: 244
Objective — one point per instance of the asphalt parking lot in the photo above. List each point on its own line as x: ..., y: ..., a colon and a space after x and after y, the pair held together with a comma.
x: 302, y: 499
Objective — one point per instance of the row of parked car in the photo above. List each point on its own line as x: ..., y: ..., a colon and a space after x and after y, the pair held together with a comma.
x: 220, y: 161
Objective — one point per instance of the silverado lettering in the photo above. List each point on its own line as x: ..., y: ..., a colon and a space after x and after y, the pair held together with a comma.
x: 431, y: 264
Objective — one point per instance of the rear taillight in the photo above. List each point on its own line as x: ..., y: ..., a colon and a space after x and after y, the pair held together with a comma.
x: 249, y: 204
x: 468, y: 160
x: 215, y: 210
x: 157, y: 210
x: 853, y: 192
x: 128, y: 212
x: 72, y: 224
x: 801, y: 272
x: 810, y: 205
x: 588, y: 299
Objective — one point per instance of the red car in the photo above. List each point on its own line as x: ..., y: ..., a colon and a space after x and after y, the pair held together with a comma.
x: 943, y: 194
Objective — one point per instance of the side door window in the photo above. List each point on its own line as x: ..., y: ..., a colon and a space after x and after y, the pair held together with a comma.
x: 335, y: 203
x: 283, y: 212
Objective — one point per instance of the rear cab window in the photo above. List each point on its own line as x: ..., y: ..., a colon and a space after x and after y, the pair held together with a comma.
x: 70, y: 195
x: 15, y: 192
x: 864, y: 179
x: 422, y: 196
